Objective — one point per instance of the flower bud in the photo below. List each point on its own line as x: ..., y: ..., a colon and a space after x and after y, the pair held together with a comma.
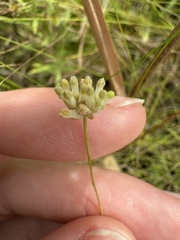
x: 65, y: 84
x: 69, y: 100
x: 74, y: 87
x: 99, y: 85
x: 66, y: 113
x: 59, y: 91
x: 90, y: 101
x: 88, y: 81
x: 110, y: 94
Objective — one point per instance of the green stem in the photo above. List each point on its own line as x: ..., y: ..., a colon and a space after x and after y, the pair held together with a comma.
x: 90, y: 163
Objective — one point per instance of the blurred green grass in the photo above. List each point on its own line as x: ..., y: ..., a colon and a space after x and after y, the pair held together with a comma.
x: 43, y: 41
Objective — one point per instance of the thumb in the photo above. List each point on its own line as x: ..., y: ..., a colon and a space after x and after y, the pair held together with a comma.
x: 92, y: 228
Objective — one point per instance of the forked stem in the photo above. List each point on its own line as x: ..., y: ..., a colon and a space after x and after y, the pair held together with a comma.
x: 90, y: 163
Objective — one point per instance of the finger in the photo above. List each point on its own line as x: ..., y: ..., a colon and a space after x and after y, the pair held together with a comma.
x: 31, y: 128
x: 89, y: 228
x: 21, y: 228
x: 63, y: 192
x: 177, y: 195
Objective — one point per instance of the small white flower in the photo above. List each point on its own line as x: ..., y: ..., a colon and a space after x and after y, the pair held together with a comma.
x: 81, y: 98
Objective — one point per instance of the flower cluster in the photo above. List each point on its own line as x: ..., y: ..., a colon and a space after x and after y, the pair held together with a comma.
x: 81, y: 98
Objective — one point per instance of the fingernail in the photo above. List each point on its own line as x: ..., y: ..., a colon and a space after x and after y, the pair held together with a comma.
x: 103, y: 234
x: 121, y: 101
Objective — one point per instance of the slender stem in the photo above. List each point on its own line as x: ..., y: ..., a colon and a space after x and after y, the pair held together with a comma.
x: 90, y: 163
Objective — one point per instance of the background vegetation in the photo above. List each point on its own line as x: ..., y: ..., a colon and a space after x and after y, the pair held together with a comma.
x: 45, y: 40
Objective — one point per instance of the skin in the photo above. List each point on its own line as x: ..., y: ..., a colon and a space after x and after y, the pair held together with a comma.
x: 45, y: 194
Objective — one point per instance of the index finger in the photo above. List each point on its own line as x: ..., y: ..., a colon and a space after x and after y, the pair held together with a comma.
x: 31, y: 128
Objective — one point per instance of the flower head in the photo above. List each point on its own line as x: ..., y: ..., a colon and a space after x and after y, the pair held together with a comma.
x: 81, y: 98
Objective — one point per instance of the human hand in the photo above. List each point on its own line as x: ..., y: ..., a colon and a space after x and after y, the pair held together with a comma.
x: 51, y: 196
